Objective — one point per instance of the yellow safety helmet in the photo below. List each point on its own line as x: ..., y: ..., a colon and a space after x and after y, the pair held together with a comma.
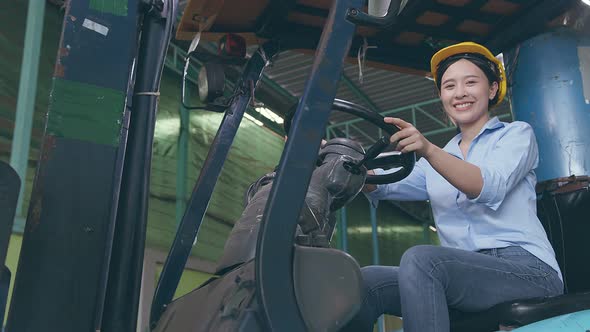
x: 470, y: 47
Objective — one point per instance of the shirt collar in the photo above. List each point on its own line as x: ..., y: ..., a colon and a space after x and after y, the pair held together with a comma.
x: 453, y: 145
x: 492, y: 123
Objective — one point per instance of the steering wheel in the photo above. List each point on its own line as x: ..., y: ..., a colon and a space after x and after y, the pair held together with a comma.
x: 373, y: 159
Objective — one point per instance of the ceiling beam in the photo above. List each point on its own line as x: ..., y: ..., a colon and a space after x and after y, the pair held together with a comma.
x: 273, y: 17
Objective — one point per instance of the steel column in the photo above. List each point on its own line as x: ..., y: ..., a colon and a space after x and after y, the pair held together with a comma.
x: 25, y: 105
x: 375, y: 244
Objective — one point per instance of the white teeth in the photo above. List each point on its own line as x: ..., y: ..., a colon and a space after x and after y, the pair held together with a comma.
x: 464, y: 105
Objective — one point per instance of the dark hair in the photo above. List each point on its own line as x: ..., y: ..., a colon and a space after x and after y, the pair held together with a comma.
x: 488, y: 67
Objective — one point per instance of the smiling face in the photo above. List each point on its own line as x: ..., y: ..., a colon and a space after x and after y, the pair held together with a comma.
x: 465, y: 93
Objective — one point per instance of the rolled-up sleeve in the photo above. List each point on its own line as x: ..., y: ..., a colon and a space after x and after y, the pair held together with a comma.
x: 411, y: 188
x: 512, y: 158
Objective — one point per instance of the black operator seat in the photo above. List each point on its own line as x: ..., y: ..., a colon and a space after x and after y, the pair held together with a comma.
x: 563, y: 206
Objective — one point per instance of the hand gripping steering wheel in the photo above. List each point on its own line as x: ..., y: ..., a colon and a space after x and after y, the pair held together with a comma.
x: 405, y: 161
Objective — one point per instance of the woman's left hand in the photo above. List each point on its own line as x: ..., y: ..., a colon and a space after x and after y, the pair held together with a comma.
x: 408, y: 138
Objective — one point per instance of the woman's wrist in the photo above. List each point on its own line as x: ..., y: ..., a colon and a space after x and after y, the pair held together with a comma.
x: 430, y: 150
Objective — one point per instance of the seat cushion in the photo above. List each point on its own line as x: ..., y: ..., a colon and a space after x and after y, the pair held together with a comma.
x: 518, y: 313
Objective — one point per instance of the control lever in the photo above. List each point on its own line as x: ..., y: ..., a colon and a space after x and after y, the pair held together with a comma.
x: 373, y: 152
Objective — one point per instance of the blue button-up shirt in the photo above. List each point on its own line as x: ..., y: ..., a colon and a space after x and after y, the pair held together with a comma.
x: 505, y: 212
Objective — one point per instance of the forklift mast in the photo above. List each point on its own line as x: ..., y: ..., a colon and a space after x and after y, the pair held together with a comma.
x: 82, y: 252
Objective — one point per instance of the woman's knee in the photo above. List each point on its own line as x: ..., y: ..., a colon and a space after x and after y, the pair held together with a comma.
x: 377, y: 276
x: 419, y: 254
x: 418, y: 259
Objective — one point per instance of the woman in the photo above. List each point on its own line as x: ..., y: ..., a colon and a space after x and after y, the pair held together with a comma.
x: 481, y: 187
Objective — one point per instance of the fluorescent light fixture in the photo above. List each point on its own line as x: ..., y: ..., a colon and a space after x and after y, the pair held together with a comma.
x: 388, y: 229
x: 251, y: 118
x: 432, y: 228
x: 267, y: 113
x: 586, y: 2
x: 166, y: 127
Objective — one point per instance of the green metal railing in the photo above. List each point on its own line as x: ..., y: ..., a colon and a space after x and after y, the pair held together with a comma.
x: 346, y: 126
x: 413, y: 108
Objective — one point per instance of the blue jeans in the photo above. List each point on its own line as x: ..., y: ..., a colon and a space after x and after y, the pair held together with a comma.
x: 431, y: 280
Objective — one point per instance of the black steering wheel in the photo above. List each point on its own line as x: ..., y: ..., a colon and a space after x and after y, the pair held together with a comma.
x: 373, y: 159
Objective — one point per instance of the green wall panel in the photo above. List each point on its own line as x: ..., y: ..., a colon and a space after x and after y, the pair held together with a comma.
x: 255, y: 151
x: 12, y: 33
x: 397, y: 232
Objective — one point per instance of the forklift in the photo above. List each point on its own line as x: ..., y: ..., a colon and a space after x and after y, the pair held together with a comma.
x: 267, y: 279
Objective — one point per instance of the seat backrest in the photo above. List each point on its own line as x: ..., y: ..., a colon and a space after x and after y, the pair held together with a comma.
x: 563, y: 206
